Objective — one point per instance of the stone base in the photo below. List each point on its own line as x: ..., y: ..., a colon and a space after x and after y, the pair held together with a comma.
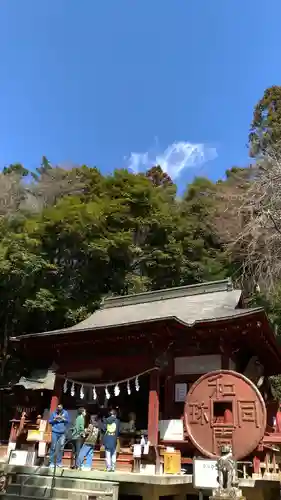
x: 233, y: 494
x: 226, y: 498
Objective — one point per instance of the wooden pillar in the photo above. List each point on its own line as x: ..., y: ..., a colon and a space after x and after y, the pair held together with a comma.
x: 153, y: 408
x: 169, y: 397
x: 169, y: 390
x: 225, y: 364
x: 56, y: 395
x: 257, y: 465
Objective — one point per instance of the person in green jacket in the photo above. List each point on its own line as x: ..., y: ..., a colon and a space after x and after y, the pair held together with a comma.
x: 78, y: 434
x: 87, y: 450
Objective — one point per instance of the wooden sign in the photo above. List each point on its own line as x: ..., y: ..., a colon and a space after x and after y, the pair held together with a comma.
x: 195, y: 365
x: 205, y: 474
x: 43, y: 426
x: 171, y: 430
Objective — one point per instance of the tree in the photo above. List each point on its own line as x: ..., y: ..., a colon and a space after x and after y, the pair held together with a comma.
x: 115, y: 235
x: 145, y: 215
x: 265, y: 130
x: 257, y: 239
x: 16, y: 168
x: 158, y: 177
x: 12, y: 192
x: 53, y: 184
x: 44, y: 168
x: 98, y: 236
x: 202, y: 245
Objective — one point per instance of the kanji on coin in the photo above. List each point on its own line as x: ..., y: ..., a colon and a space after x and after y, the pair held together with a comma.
x: 224, y: 408
x: 247, y: 412
x: 199, y: 413
x: 221, y: 388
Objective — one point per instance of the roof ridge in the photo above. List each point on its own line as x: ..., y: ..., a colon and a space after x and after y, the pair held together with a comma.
x: 168, y: 293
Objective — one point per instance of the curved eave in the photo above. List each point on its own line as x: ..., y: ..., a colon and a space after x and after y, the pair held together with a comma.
x: 232, y: 316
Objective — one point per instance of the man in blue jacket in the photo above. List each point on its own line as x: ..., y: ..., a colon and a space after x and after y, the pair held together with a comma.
x: 111, y: 432
x: 59, y: 421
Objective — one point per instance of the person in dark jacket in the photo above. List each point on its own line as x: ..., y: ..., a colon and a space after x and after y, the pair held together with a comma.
x: 78, y: 434
x: 87, y: 450
x: 59, y: 421
x: 111, y: 427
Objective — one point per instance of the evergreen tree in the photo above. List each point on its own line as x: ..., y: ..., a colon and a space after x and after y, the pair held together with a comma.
x: 265, y: 131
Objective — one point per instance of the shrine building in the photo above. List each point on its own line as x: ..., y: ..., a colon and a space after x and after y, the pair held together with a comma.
x: 141, y: 354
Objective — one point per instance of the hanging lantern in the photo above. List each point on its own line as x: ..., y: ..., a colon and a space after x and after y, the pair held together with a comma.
x: 128, y: 387
x: 72, y: 390
x: 116, y: 390
x: 137, y: 385
x: 107, y: 394
x: 65, y: 386
x: 94, y: 394
x: 82, y: 394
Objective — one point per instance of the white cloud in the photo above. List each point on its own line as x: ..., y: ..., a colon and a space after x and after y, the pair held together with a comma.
x: 175, y: 159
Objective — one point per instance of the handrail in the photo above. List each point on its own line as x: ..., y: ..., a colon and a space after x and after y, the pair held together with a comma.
x: 36, y: 471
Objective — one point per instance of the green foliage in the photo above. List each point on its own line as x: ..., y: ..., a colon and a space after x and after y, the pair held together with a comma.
x: 275, y: 382
x: 158, y: 177
x: 116, y: 234
x: 16, y: 168
x: 202, y: 241
x: 265, y: 130
x: 271, y: 306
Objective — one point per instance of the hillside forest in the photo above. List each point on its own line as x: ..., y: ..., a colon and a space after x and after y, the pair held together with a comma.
x: 71, y: 236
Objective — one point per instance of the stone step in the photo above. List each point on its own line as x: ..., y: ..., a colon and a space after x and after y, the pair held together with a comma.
x: 8, y: 496
x: 80, y: 483
x: 61, y: 493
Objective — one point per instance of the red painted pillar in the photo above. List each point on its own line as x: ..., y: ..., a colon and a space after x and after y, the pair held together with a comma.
x: 278, y: 421
x: 256, y: 465
x: 56, y: 395
x: 153, y: 408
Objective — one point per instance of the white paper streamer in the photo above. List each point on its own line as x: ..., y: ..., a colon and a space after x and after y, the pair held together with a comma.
x: 72, y: 390
x: 65, y: 386
x: 115, y: 386
x: 137, y: 384
x: 94, y: 394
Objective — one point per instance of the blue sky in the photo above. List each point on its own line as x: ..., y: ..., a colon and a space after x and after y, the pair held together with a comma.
x: 118, y: 82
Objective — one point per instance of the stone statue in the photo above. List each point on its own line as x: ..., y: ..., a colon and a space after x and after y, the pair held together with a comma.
x: 226, y: 469
x: 227, y: 476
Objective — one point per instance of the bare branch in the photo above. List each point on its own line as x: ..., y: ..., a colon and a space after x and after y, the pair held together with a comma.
x: 256, y: 208
x: 274, y: 222
x: 54, y: 184
x: 11, y: 193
